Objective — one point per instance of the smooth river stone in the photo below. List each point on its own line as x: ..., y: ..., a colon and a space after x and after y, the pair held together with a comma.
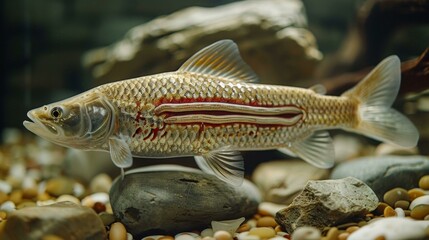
x: 385, y: 172
x: 169, y: 199
x: 65, y: 220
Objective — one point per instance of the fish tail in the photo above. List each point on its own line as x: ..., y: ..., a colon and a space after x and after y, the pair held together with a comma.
x: 375, y: 95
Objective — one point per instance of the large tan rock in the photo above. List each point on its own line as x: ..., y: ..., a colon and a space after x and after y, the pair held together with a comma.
x: 271, y: 35
x: 65, y: 220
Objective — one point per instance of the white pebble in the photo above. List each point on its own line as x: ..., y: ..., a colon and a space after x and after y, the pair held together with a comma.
x: 222, y: 235
x: 392, y: 228
x: 78, y: 189
x: 29, y: 182
x: 208, y: 232
x: 306, y: 233
x: 252, y: 223
x: 5, y: 187
x: 420, y: 200
x: 156, y: 237
x: 17, y: 171
x: 271, y: 208
x: 8, y: 206
x: 68, y: 198
x: 46, y: 202
x: 400, y: 212
x: 277, y: 238
x: 129, y: 236
x: 246, y: 236
x: 101, y: 183
x: 89, y: 200
x: 186, y: 236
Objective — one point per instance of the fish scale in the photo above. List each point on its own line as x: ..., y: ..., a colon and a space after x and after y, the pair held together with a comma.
x: 212, y: 108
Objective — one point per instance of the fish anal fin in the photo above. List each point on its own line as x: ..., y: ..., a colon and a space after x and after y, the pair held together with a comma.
x: 120, y: 152
x: 221, y: 59
x: 225, y: 164
x: 317, y: 149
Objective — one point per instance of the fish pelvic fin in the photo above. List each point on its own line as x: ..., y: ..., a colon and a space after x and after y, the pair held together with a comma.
x: 226, y: 164
x: 318, y: 149
x: 221, y: 59
x: 376, y: 94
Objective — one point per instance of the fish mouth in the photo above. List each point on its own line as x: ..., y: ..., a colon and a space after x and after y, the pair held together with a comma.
x: 38, y: 127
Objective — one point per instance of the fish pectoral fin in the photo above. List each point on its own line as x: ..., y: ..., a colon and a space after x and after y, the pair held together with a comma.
x: 287, y: 151
x: 120, y: 152
x: 318, y: 149
x: 227, y: 165
x: 221, y: 59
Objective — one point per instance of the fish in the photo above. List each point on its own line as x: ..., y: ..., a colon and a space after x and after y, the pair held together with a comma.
x: 213, y: 108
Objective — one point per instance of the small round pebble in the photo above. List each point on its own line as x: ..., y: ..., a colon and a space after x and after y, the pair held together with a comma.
x: 306, y: 233
x: 402, y: 204
x: 352, y: 229
x: 8, y: 206
x: 99, y: 207
x: 415, y: 193
x: 394, y: 195
x: 117, y: 232
x: 266, y: 222
x: 243, y: 228
x: 419, y: 201
x: 222, y: 235
x: 186, y: 236
x: 332, y: 234
x: 262, y: 232
x: 380, y: 208
x: 107, y: 218
x: 389, y: 212
x: 343, y: 236
x: 424, y: 182
x: 208, y: 232
x: 101, y: 183
x: 400, y: 212
x: 420, y: 211
x: 166, y: 238
x: 68, y: 198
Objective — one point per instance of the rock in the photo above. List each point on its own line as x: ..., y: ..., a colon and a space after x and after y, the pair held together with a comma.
x: 271, y: 34
x: 391, y: 229
x: 65, y: 220
x: 327, y: 203
x: 385, y: 172
x: 165, y: 199
x: 281, y: 181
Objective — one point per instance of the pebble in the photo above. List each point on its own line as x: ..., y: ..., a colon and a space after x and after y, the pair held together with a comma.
x: 332, y: 234
x: 101, y: 183
x: 380, y: 208
x: 16, y: 196
x: 343, y: 236
x: 402, y: 204
x: 8, y: 206
x: 400, y: 212
x: 389, y: 212
x: 352, y: 229
x: 266, y: 222
x: 424, y: 182
x: 99, y: 207
x: 117, y: 232
x: 246, y: 236
x: 186, y: 236
x: 69, y: 198
x: 230, y: 226
x: 60, y: 186
x: 420, y: 211
x: 262, y: 232
x: 5, y: 187
x: 90, y: 200
x: 243, y: 228
x: 29, y: 193
x: 306, y: 233
x: 222, y: 235
x: 394, y: 195
x: 208, y: 232
x: 167, y: 238
x: 3, y: 197
x: 419, y: 201
x: 415, y: 193
x: 25, y: 204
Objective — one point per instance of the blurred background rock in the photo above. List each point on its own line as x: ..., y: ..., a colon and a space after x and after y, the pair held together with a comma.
x: 46, y: 42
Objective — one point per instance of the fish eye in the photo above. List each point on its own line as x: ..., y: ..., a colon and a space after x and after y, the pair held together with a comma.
x: 56, y: 112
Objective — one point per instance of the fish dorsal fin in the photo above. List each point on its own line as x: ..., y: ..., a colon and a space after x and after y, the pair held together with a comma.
x: 225, y: 164
x: 221, y: 59
x: 318, y: 149
x: 319, y: 89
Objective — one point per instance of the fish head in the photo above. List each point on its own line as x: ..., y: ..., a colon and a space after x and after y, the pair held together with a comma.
x: 84, y: 121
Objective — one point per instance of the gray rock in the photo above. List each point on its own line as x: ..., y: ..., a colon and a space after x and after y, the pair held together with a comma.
x: 385, y: 172
x: 169, y: 199
x: 327, y: 203
x: 65, y: 220
x: 281, y: 181
x: 272, y: 36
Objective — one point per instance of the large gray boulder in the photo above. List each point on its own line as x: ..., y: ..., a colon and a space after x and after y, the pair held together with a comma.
x: 272, y: 36
x: 327, y: 203
x: 170, y: 199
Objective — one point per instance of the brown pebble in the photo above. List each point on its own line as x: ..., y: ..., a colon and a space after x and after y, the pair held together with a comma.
x: 394, y: 195
x: 29, y: 193
x: 407, y: 212
x: 424, y: 182
x: 166, y: 238
x: 415, y: 193
x: 402, y: 204
x: 52, y: 237
x: 389, y: 212
x: 266, y: 222
x: 3, y: 215
x: 352, y: 229
x: 3, y: 197
x: 16, y: 197
x: 263, y: 212
x: 26, y: 204
x: 343, y: 236
x: 262, y: 232
x: 60, y: 186
x: 380, y: 208
x: 332, y: 234
x: 278, y: 228
x: 256, y: 216
x: 380, y: 238
x: 243, y: 228
x: 43, y: 196
x: 362, y: 223
x: 99, y: 207
x: 117, y: 232
x: 420, y: 211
